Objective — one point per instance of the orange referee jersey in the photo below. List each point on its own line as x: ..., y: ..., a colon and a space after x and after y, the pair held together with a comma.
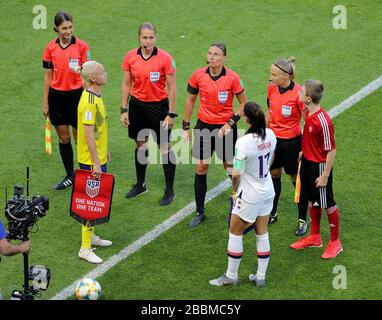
x: 149, y: 75
x: 216, y: 96
x: 285, y: 110
x: 65, y: 63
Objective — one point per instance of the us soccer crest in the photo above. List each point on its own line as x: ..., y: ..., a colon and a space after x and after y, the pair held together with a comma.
x: 222, y: 96
x: 92, y: 188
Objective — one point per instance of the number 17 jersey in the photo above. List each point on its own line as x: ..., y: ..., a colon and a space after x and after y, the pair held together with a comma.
x: 255, y: 180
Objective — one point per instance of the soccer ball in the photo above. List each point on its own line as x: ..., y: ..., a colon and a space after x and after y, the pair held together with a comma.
x: 88, y: 289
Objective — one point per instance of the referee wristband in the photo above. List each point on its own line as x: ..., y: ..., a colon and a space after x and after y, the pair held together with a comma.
x: 233, y: 120
x: 124, y: 110
x: 186, y: 125
x: 172, y: 115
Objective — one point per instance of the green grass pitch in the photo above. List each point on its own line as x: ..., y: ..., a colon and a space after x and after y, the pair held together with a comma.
x: 180, y: 262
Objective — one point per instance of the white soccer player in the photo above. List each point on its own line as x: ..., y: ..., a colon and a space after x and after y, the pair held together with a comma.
x: 253, y: 189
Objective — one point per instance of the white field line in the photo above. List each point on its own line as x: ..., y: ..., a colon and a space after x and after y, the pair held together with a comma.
x: 357, y: 97
x: 190, y: 208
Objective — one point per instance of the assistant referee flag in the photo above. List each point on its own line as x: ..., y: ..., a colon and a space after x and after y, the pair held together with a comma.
x: 48, y: 136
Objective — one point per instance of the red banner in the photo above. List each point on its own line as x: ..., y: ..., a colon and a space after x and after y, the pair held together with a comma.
x: 91, y: 199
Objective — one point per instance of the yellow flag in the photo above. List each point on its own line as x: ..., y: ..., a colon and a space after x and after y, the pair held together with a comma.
x: 298, y: 185
x: 48, y: 137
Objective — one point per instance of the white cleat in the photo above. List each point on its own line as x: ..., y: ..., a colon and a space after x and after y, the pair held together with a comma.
x: 97, y: 241
x: 224, y: 281
x: 88, y: 255
x: 259, y: 282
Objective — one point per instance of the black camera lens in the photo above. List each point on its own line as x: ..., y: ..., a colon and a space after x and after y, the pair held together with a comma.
x: 18, y: 190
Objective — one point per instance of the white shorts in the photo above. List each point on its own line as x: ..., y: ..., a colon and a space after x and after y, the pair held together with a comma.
x: 250, y: 211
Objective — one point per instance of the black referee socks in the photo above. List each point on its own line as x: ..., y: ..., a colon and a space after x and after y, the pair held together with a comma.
x: 169, y: 166
x: 66, y: 153
x: 200, y: 189
x: 277, y: 186
x: 141, y: 165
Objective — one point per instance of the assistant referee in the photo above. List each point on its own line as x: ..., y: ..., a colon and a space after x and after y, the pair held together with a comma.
x: 62, y: 60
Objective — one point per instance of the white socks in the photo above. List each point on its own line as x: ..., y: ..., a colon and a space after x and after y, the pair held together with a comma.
x: 234, y: 252
x: 263, y: 253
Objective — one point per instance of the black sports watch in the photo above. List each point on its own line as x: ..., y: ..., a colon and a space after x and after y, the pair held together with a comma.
x: 124, y: 110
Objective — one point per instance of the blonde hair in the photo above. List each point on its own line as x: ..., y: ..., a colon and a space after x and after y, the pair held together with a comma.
x: 314, y: 89
x: 288, y: 66
x: 88, y: 69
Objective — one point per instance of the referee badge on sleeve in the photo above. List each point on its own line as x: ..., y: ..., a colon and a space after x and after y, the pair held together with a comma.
x: 222, y: 96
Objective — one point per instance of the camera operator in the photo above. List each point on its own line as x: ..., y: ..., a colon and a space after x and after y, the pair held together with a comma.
x: 7, y: 249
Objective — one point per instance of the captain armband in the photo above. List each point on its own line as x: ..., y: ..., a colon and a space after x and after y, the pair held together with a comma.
x: 238, y: 164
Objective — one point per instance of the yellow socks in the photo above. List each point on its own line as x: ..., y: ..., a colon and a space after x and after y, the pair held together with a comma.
x: 87, y: 233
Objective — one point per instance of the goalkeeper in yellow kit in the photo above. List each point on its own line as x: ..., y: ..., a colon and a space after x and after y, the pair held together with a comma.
x: 92, y: 142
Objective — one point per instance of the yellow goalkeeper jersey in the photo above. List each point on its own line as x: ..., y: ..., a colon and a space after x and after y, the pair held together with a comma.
x: 92, y: 111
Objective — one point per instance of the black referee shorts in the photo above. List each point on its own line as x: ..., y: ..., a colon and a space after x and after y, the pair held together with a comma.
x: 286, y: 155
x: 320, y: 197
x: 63, y: 106
x: 148, y: 116
x: 206, y: 141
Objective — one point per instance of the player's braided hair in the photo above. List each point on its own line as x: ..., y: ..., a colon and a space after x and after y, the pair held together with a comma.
x: 256, y: 118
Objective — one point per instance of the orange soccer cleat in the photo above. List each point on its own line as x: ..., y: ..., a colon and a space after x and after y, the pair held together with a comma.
x: 311, y: 241
x: 332, y: 249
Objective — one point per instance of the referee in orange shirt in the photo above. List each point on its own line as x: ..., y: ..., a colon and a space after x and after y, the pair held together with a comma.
x: 284, y: 115
x: 62, y: 60
x: 146, y: 71
x: 216, y: 126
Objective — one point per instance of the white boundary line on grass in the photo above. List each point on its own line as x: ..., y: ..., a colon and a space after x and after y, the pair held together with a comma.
x: 355, y: 98
x: 190, y: 208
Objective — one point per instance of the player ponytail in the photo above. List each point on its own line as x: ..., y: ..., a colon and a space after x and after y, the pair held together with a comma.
x: 256, y: 118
